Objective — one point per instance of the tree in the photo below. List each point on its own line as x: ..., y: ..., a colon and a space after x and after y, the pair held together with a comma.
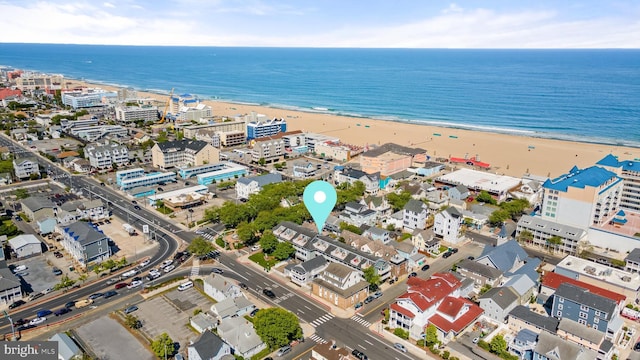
x: 83, y: 277
x: 262, y: 161
x: 268, y: 242
x: 132, y: 321
x: 555, y: 240
x: 398, y: 201
x: 525, y: 236
x: 64, y: 283
x: 200, y: 246
x: 485, y: 197
x: 283, y: 251
x: 349, y: 227
x: 277, y: 327
x: 371, y: 275
x: 246, y: 232
x: 34, y: 176
x: 162, y: 137
x: 21, y: 193
x: 163, y: 346
x: 8, y: 228
x: 498, y: 217
x: 431, y: 335
x: 498, y: 345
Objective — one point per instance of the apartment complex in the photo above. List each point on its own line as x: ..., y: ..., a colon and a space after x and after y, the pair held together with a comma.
x: 269, y: 150
x: 260, y: 129
x: 182, y: 153
x: 85, y: 242
x: 133, y: 178
x: 135, y: 113
x: 629, y: 172
x: 104, y: 156
x: 88, y: 98
x: 34, y: 81
x: 542, y: 230
x: 388, y: 159
x: 97, y: 132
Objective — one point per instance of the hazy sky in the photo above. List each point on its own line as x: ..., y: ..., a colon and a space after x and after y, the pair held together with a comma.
x: 327, y: 23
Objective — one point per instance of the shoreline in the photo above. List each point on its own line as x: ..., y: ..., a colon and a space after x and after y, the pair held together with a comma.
x: 445, y: 124
x: 508, y: 153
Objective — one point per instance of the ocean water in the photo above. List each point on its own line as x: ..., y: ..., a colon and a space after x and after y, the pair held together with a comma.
x: 585, y: 95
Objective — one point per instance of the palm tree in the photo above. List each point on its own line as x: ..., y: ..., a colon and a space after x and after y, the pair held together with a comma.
x: 554, y: 240
x: 525, y: 236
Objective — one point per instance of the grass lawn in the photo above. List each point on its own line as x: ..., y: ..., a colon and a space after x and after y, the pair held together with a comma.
x: 442, y: 249
x: 165, y: 210
x: 259, y: 259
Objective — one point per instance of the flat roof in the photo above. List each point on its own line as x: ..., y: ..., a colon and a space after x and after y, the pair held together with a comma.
x: 601, y: 272
x: 184, y: 191
x: 480, y: 180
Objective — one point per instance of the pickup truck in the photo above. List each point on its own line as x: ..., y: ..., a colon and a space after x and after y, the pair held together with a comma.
x: 83, y: 303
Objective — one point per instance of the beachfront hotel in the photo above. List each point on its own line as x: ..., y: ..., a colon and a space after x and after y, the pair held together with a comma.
x: 260, y: 129
x: 389, y: 158
x: 136, y: 113
x: 31, y: 81
x: 88, y: 98
x: 629, y: 172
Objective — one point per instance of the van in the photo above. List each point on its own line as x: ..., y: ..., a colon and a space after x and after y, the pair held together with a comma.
x: 83, y: 303
x: 185, y: 286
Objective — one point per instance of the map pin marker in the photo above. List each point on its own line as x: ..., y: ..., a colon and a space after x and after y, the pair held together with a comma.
x: 319, y: 197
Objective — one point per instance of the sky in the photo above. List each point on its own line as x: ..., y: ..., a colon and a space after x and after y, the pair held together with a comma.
x: 326, y: 23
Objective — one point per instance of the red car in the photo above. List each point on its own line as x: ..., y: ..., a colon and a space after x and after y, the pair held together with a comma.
x: 121, y: 285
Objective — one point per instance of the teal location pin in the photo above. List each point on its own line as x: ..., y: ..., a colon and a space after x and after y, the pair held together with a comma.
x: 319, y: 197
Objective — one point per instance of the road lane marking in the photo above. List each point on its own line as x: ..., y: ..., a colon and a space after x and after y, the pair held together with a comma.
x: 367, y: 341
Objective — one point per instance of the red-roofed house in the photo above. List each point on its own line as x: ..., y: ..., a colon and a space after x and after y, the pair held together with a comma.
x: 4, y: 93
x: 551, y: 281
x: 433, y: 301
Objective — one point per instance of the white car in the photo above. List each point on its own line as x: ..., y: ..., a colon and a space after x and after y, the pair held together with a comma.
x: 47, y: 290
x: 169, y: 268
x: 475, y: 340
x: 134, y: 284
x: 255, y: 247
x: 185, y: 286
x: 19, y: 268
x: 144, y: 263
x: 37, y: 321
x: 167, y: 262
x: 129, y: 273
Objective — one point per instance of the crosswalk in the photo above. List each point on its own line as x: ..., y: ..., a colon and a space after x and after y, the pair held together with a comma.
x: 357, y: 318
x: 322, y: 319
x: 195, y: 268
x: 318, y: 339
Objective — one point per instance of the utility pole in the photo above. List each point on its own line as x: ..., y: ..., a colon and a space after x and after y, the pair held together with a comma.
x: 13, y: 330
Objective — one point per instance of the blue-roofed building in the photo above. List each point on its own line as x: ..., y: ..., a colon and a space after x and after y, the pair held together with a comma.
x: 260, y: 129
x: 506, y: 257
x: 629, y: 171
x: 582, y: 197
x: 523, y: 344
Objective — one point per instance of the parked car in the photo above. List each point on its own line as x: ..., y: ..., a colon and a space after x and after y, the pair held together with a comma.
x: 413, y: 274
x: 400, y: 347
x: 358, y: 305
x: 243, y: 286
x: 167, y: 262
x: 19, y: 268
x: 377, y: 295
x: 16, y: 303
x: 254, y: 312
x: 447, y: 254
x: 185, y: 286
x: 130, y: 309
x: 425, y: 267
x: 369, y: 299
x: 476, y: 339
x: 58, y: 254
x: 61, y: 311
x: 169, y: 268
x: 471, y: 258
x: 453, y: 250
x: 56, y: 271
x: 283, y: 350
x: 268, y: 293
x: 217, y: 271
x: 144, y: 263
x: 359, y: 354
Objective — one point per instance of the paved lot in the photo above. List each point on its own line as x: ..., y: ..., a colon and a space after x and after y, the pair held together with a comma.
x: 108, y: 340
x: 170, y: 313
x: 38, y: 274
x: 130, y: 247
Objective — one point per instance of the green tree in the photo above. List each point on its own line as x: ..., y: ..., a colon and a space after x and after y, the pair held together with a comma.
x: 484, y: 289
x: 83, y: 277
x: 283, y: 251
x: 485, y: 197
x: 498, y: 217
x: 277, y: 327
x: 398, y: 201
x: 525, y: 236
x: 268, y: 242
x: 8, y: 228
x: 431, y: 335
x: 555, y: 240
x: 371, y: 275
x: 262, y: 161
x: 162, y: 137
x: 64, y: 283
x: 21, y: 193
x: 132, y: 321
x: 498, y: 345
x: 34, y: 176
x: 247, y: 232
x: 349, y: 227
x: 163, y: 346
x: 200, y: 246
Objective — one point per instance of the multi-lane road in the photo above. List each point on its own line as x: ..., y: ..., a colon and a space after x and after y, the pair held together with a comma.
x: 351, y: 333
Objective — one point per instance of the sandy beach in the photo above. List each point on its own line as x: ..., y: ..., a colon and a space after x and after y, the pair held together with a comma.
x: 508, y: 154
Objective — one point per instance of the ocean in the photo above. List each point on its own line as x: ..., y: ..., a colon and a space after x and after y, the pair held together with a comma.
x: 583, y: 95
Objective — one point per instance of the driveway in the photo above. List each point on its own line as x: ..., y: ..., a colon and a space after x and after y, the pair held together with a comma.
x: 109, y: 340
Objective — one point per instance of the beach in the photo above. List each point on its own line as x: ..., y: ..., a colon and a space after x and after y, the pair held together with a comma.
x: 507, y: 154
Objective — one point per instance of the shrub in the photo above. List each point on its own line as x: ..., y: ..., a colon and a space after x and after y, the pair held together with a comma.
x: 483, y: 344
x: 401, y: 333
x: 446, y: 354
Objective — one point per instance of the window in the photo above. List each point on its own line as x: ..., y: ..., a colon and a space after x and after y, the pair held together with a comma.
x: 597, y: 313
x: 596, y: 320
x: 584, y: 315
x: 595, y: 327
x: 584, y: 308
x: 561, y: 300
x: 560, y: 306
x: 582, y: 322
x: 559, y: 314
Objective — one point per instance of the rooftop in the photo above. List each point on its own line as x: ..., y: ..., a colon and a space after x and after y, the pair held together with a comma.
x: 523, y: 313
x: 480, y: 180
x: 601, y: 272
x: 585, y: 297
x: 594, y: 176
x: 502, y: 296
x: 394, y: 148
x: 554, y: 280
x: 612, y: 161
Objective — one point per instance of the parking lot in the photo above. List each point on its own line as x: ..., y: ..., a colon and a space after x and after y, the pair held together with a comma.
x: 38, y: 276
x: 170, y: 313
x: 107, y: 339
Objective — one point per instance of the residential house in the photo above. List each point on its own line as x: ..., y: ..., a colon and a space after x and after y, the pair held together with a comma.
x: 580, y: 334
x: 414, y: 215
x: 414, y: 188
x: 378, y: 234
x: 524, y: 286
x: 232, y: 307
x: 304, y: 273
x: 85, y: 242
x: 428, y: 169
x: 46, y: 225
x: 632, y: 261
x: 252, y: 185
x: 507, y: 257
x: 521, y: 317
x: 459, y: 192
x: 447, y: 224
x: 304, y: 170
x: 241, y: 336
x: 6, y: 179
x: 78, y: 165
x: 498, y: 302
x: 436, y: 200
x: 202, y: 322
x: 140, y: 138
x: 105, y: 156
x: 183, y: 153
x: 434, y: 301
x: 530, y: 190
x: 425, y: 240
x: 396, y: 220
x: 36, y: 207
x: 220, y: 288
x: 10, y: 288
x: 379, y: 204
x: 67, y: 348
x: 25, y: 245
x: 93, y: 210
x: 332, y: 224
x: 481, y: 274
x: 588, y: 309
x: 371, y: 181
x: 552, y: 280
x: 357, y: 214
x: 523, y: 344
x: 67, y: 212
x: 340, y: 285
x: 24, y: 167
x: 208, y: 347
x: 408, y: 251
x: 553, y: 347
